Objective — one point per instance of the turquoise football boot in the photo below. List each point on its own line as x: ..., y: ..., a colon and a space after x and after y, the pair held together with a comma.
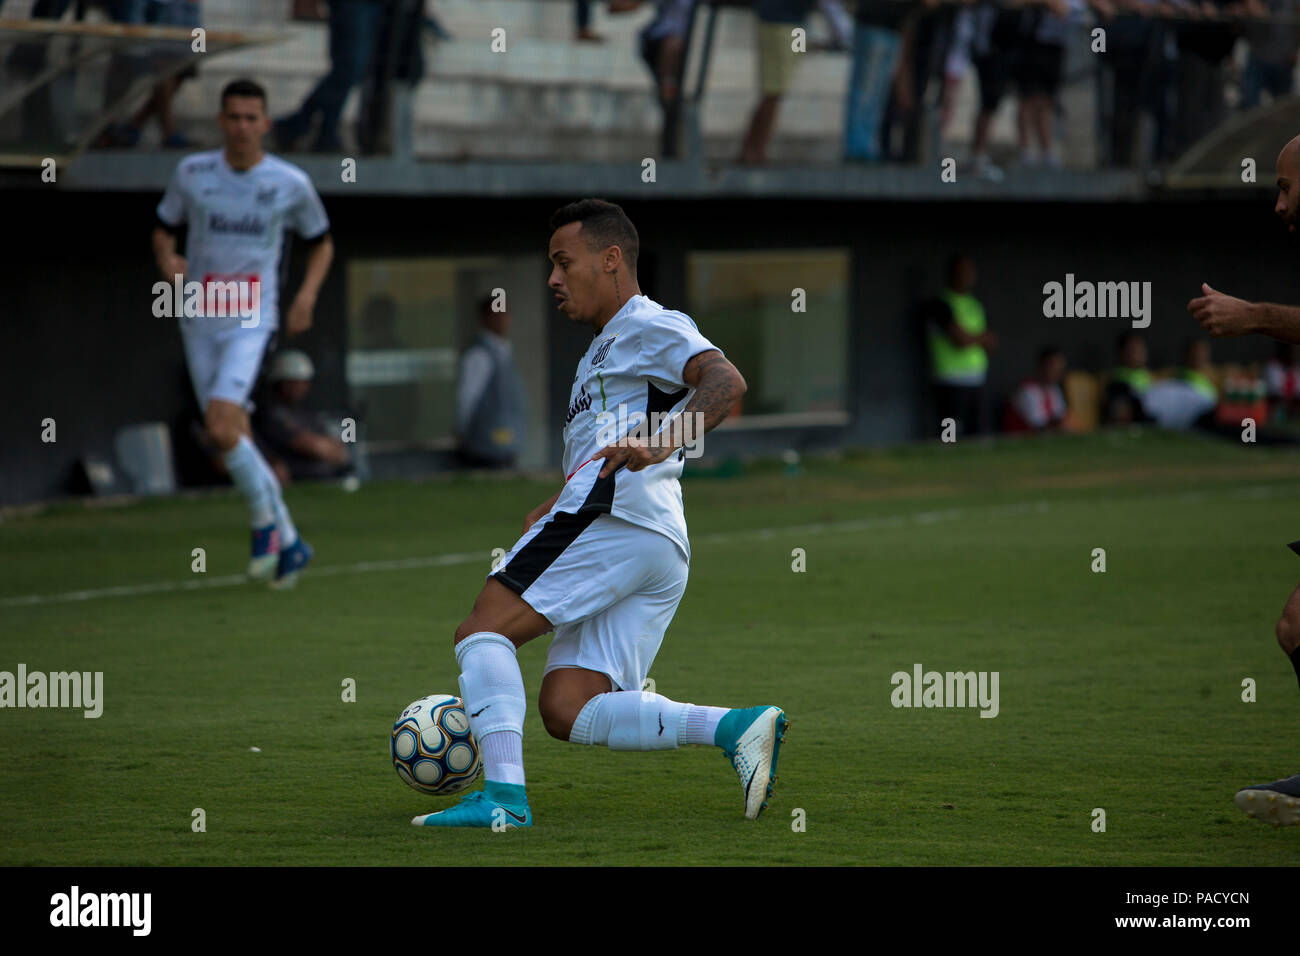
x: 501, y: 806
x: 750, y: 737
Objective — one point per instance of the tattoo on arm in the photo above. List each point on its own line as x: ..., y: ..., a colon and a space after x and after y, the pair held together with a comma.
x: 717, y: 389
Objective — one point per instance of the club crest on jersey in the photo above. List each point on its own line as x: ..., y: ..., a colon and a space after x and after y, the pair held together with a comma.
x: 578, y: 405
x: 266, y: 196
x: 602, y: 353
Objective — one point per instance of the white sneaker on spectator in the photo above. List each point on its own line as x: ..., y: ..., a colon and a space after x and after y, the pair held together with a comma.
x: 985, y: 169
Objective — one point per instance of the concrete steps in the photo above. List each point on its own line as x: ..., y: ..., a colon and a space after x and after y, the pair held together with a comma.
x: 545, y: 97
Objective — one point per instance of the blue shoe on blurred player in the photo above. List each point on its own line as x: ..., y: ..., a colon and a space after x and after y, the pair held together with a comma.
x: 292, y: 560
x: 500, y: 806
x: 266, y: 553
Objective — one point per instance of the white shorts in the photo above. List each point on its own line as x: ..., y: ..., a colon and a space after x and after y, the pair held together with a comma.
x: 609, y: 587
x: 224, y: 363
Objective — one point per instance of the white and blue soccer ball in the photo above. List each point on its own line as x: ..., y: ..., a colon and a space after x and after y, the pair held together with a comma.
x: 432, y: 747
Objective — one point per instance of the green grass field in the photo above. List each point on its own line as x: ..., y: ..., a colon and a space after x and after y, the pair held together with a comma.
x: 1119, y: 690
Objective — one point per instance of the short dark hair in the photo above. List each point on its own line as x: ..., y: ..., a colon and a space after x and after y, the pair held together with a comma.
x: 1048, y: 352
x: 954, y: 261
x: 485, y: 305
x: 604, y: 224
x: 243, y: 87
x: 1124, y: 339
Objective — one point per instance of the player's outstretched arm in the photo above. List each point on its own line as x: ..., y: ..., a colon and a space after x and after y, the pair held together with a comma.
x: 318, y: 266
x: 169, y: 263
x: 1225, y: 315
x: 1278, y: 321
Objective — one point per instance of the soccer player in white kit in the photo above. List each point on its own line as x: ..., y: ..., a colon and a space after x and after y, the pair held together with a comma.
x: 604, y: 562
x: 237, y: 203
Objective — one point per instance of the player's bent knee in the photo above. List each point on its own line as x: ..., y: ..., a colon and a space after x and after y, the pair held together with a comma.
x: 222, y: 429
x: 558, y: 722
x: 554, y: 705
x: 1288, y: 635
x: 462, y: 632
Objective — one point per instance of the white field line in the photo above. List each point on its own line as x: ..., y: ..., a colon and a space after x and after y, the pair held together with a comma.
x: 722, y: 537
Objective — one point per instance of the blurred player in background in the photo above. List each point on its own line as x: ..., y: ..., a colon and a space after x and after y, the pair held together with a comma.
x: 604, y: 562
x: 237, y: 203
x: 1223, y: 315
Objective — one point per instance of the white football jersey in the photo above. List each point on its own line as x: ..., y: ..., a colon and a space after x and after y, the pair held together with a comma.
x: 636, y: 363
x: 237, y: 221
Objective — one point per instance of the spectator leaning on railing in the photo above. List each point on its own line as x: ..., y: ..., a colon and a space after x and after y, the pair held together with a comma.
x: 1205, y: 43
x: 777, y: 59
x: 877, y: 38
x: 1045, y: 28
x: 1273, y: 40
x: 922, y: 37
x: 582, y: 17
x: 163, y: 13
x: 354, y: 30
x: 989, y: 34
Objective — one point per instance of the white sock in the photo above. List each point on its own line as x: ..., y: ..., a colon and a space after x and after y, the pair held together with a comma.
x: 632, y: 720
x: 493, y: 690
x: 701, y: 724
x: 245, y: 467
x: 280, y: 511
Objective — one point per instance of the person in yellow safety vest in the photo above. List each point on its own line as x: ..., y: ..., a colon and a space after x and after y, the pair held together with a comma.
x: 960, y: 341
x: 1196, y: 363
x: 1129, y: 381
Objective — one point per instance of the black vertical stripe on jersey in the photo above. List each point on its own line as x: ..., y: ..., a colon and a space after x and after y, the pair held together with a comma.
x: 561, y: 531
x: 657, y: 400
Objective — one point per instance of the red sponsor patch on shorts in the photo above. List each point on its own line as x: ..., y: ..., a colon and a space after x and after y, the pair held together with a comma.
x: 232, y: 295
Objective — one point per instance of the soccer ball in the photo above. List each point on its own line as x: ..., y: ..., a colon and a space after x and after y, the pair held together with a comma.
x: 432, y: 747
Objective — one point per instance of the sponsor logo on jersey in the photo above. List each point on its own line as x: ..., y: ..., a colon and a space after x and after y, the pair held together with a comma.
x: 579, y: 404
x: 246, y: 225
